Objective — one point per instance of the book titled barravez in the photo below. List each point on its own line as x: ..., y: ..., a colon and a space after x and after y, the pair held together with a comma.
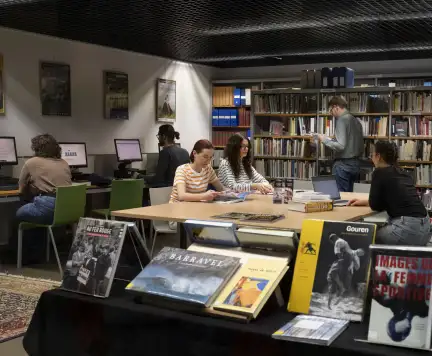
x: 187, y: 276
x: 94, y: 256
x: 401, y: 286
x: 332, y: 269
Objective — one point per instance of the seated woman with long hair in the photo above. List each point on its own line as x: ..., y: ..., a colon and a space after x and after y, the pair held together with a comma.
x: 236, y: 171
x: 191, y: 180
x: 393, y: 190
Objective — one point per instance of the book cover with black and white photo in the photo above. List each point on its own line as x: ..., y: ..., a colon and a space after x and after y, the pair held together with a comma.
x: 332, y: 269
x: 186, y: 276
x: 401, y: 286
x: 94, y: 256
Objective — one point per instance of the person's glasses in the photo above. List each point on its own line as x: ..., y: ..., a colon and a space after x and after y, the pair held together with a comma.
x: 244, y: 146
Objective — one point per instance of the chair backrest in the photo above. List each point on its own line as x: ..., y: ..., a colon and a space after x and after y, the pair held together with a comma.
x: 126, y: 194
x: 70, y: 204
x: 160, y: 195
x: 303, y: 184
x: 361, y: 188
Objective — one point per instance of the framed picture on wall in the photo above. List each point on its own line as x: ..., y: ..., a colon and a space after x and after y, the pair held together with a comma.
x: 116, y: 95
x: 2, y: 101
x: 55, y: 89
x: 166, y: 100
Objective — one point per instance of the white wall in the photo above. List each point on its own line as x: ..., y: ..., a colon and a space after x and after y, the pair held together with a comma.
x: 361, y: 68
x: 22, y: 52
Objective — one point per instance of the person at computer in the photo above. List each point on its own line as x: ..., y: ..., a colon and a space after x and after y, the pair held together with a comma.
x: 39, y: 178
x: 347, y: 144
x: 393, y: 190
x: 192, y: 179
x: 236, y: 171
x: 170, y: 157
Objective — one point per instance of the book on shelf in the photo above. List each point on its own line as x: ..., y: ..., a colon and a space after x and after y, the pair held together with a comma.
x: 94, y: 256
x: 282, y: 147
x: 223, y: 96
x: 359, y: 102
x: 412, y: 101
x: 332, y: 269
x: 406, y: 126
x: 311, y: 330
x: 191, y: 277
x: 250, y: 288
x: 400, y: 310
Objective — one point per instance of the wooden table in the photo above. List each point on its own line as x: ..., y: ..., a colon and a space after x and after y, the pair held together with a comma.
x: 255, y: 203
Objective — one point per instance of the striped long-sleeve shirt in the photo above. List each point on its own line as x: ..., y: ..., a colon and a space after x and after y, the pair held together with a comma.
x: 242, y: 183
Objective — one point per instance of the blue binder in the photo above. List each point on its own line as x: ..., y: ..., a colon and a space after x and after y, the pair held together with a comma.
x: 234, y: 117
x: 237, y: 96
x: 215, y: 117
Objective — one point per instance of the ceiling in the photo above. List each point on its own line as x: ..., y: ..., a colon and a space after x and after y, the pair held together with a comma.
x: 230, y: 33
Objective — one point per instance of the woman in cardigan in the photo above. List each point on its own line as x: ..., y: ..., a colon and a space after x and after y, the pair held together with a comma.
x: 236, y: 171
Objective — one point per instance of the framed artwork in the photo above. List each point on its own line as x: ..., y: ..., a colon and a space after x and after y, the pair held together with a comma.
x: 2, y: 101
x: 55, y: 89
x: 166, y: 100
x: 116, y: 95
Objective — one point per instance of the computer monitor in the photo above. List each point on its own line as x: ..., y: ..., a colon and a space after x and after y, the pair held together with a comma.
x: 8, y: 152
x: 74, y: 153
x: 128, y: 150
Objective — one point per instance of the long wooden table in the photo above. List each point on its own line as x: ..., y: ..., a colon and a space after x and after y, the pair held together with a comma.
x: 255, y: 203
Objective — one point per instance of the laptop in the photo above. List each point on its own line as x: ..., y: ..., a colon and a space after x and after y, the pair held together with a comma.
x: 327, y: 185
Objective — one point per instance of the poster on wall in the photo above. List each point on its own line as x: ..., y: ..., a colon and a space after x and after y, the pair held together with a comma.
x: 116, y: 95
x: 2, y: 103
x: 166, y: 100
x: 55, y: 89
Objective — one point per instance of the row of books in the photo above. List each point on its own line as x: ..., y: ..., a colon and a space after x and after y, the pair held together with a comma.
x: 359, y: 102
x: 411, y: 126
x: 286, y: 103
x: 220, y: 138
x: 301, y: 126
x: 412, y: 101
x: 282, y: 147
x: 414, y: 150
x: 278, y: 168
x: 338, y: 77
x: 232, y: 96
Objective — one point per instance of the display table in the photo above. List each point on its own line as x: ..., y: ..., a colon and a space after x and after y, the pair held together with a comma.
x: 66, y: 324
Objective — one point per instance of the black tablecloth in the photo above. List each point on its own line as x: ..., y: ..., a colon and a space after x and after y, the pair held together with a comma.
x: 66, y: 324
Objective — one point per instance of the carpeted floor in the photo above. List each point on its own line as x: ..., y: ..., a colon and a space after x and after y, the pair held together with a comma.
x: 18, y: 299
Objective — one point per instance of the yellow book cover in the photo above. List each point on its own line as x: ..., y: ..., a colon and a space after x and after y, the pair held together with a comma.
x: 332, y: 269
x: 248, y: 291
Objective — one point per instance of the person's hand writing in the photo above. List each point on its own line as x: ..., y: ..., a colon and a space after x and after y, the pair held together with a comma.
x: 210, y: 195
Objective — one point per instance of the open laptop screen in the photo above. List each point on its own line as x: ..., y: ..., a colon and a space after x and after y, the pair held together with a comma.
x: 326, y: 185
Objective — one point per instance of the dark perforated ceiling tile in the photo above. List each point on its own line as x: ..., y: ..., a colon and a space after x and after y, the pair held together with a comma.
x: 237, y: 33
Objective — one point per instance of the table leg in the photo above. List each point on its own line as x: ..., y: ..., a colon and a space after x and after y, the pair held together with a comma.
x: 183, y: 237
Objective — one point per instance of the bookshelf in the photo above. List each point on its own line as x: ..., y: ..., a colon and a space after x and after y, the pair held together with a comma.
x: 281, y: 119
x: 231, y: 111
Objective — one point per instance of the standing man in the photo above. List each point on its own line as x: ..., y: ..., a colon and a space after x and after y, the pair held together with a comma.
x: 347, y: 145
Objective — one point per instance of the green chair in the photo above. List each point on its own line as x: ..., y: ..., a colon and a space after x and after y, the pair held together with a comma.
x: 125, y: 194
x: 69, y: 207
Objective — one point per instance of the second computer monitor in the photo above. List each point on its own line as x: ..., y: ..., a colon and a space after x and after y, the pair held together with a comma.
x: 74, y: 153
x: 128, y: 150
x: 8, y: 152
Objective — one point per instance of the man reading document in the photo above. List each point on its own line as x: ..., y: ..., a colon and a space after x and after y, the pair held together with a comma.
x: 347, y: 144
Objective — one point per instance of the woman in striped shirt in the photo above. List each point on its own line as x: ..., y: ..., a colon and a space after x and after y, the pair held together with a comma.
x: 236, y: 171
x: 192, y: 179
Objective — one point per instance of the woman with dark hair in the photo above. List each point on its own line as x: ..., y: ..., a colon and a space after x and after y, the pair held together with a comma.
x: 191, y: 180
x: 170, y: 157
x: 393, y: 190
x: 236, y: 171
x: 39, y: 178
